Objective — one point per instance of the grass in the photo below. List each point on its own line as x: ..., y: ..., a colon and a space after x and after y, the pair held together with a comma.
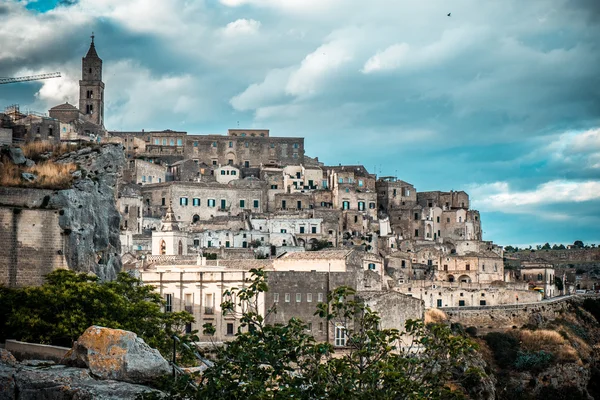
x: 548, y: 341
x: 435, y: 316
x: 34, y: 150
x: 50, y: 175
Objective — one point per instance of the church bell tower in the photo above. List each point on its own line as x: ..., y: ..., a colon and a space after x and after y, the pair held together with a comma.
x: 91, y: 87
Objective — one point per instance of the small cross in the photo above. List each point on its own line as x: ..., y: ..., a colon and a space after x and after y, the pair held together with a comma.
x: 92, y: 37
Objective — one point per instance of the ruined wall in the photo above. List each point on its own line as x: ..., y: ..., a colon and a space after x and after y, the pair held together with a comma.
x: 507, y: 316
x: 32, y: 243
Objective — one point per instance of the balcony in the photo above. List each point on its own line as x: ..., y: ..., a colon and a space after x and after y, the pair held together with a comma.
x: 209, y: 310
x: 226, y: 208
x: 189, y: 309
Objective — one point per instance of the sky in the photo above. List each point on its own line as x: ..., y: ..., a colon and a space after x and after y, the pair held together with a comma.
x: 500, y: 99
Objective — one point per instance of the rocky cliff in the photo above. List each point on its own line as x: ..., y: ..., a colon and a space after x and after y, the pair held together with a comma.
x: 88, y: 213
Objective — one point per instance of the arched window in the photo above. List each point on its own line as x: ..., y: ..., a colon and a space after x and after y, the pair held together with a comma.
x: 195, y: 218
x: 180, y: 249
x: 163, y: 248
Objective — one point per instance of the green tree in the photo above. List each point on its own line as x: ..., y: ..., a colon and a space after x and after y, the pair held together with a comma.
x: 546, y: 246
x: 61, y: 309
x: 284, y: 361
x: 578, y: 244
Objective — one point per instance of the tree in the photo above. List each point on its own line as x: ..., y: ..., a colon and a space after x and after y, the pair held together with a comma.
x: 60, y: 310
x: 559, y: 283
x: 316, y: 245
x: 578, y: 244
x: 546, y: 246
x: 284, y: 361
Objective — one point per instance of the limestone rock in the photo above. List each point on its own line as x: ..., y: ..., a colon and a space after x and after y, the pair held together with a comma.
x: 28, y: 177
x: 61, y: 383
x: 116, y: 354
x: 6, y: 357
x: 29, y: 163
x: 88, y: 211
x: 15, y: 154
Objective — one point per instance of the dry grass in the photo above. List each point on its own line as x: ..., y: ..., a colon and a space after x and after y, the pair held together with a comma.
x: 49, y: 175
x: 33, y: 150
x: 548, y: 341
x: 435, y: 316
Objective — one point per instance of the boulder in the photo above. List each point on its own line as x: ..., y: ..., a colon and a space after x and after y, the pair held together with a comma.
x: 15, y: 154
x: 116, y: 354
x: 28, y: 177
x: 29, y: 163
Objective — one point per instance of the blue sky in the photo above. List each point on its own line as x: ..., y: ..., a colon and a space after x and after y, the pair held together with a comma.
x: 502, y: 99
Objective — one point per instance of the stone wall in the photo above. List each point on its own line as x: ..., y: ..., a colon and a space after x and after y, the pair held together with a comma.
x: 32, y: 245
x: 508, y: 316
x: 6, y: 136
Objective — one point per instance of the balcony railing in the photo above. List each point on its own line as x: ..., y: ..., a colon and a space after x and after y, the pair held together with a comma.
x: 209, y: 310
x: 189, y: 309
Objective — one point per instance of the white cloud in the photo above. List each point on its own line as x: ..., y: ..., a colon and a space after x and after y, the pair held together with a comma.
x: 387, y: 59
x: 499, y: 196
x: 241, y: 27
x: 286, y: 5
x: 317, y: 65
x: 264, y: 93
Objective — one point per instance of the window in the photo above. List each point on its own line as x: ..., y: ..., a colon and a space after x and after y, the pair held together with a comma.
x: 143, y: 178
x: 223, y: 204
x: 179, y: 142
x: 233, y: 173
x: 183, y: 201
x: 172, y: 142
x: 222, y: 172
x: 309, y: 297
x: 283, y: 230
x: 445, y: 267
x: 196, y: 202
x: 345, y: 205
x: 416, y: 232
x: 361, y: 206
x: 360, y: 183
x: 227, y: 244
x: 295, y: 145
x: 247, y: 164
x: 287, y: 297
x: 371, y: 206
x: 195, y: 219
x: 482, y: 302
x: 341, y: 180
x: 245, y: 245
x: 255, y: 203
x: 403, y: 263
x: 230, y: 144
x: 214, y: 162
x: 272, y: 145
x: 230, y: 328
x: 309, y: 326
x: 149, y: 179
x: 195, y: 144
x: 539, y: 277
x: 438, y: 219
x: 273, y: 186
x: 468, y: 267
x: 313, y: 229
x: 372, y: 266
x: 196, y: 241
x: 214, y: 144
x: 447, y: 219
x: 164, y: 142
x: 275, y: 297
x: 301, y: 229
x: 439, y: 302
x: 242, y: 203
x: 461, y: 303
x: 340, y: 336
x: 168, y: 303
x: 298, y: 297
x: 320, y: 297
x: 416, y: 216
x: 156, y: 141
x: 211, y: 202
x: 283, y: 204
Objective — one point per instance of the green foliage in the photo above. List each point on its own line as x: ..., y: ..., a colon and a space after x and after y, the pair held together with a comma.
x: 593, y: 307
x: 59, y: 311
x: 559, y: 283
x: 546, y: 246
x: 533, y: 361
x: 578, y: 244
x: 284, y: 361
x: 504, y: 346
x: 316, y: 245
x: 472, y: 331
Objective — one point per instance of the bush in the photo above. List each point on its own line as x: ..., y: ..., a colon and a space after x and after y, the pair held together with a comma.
x: 435, y: 316
x: 533, y: 361
x: 504, y: 346
x: 472, y: 331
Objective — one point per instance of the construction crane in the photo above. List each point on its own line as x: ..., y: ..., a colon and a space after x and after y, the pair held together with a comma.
x: 30, y: 78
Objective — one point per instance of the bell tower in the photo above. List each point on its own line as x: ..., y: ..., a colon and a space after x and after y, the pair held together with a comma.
x: 91, y: 87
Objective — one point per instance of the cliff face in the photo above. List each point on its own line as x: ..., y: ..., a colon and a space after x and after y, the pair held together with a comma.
x: 88, y: 214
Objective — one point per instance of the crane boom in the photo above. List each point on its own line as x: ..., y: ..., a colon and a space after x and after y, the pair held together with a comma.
x: 29, y: 78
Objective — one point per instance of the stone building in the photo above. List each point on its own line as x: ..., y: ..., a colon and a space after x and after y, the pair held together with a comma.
x: 201, y: 201
x: 144, y: 173
x: 539, y: 276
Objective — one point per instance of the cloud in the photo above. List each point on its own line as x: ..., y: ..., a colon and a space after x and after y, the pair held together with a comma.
x: 388, y: 59
x: 499, y: 196
x: 241, y: 27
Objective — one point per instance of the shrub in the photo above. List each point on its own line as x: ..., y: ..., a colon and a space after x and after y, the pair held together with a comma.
x: 34, y: 150
x: 542, y: 339
x: 50, y: 175
x: 472, y: 331
x: 504, y: 346
x: 533, y: 361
